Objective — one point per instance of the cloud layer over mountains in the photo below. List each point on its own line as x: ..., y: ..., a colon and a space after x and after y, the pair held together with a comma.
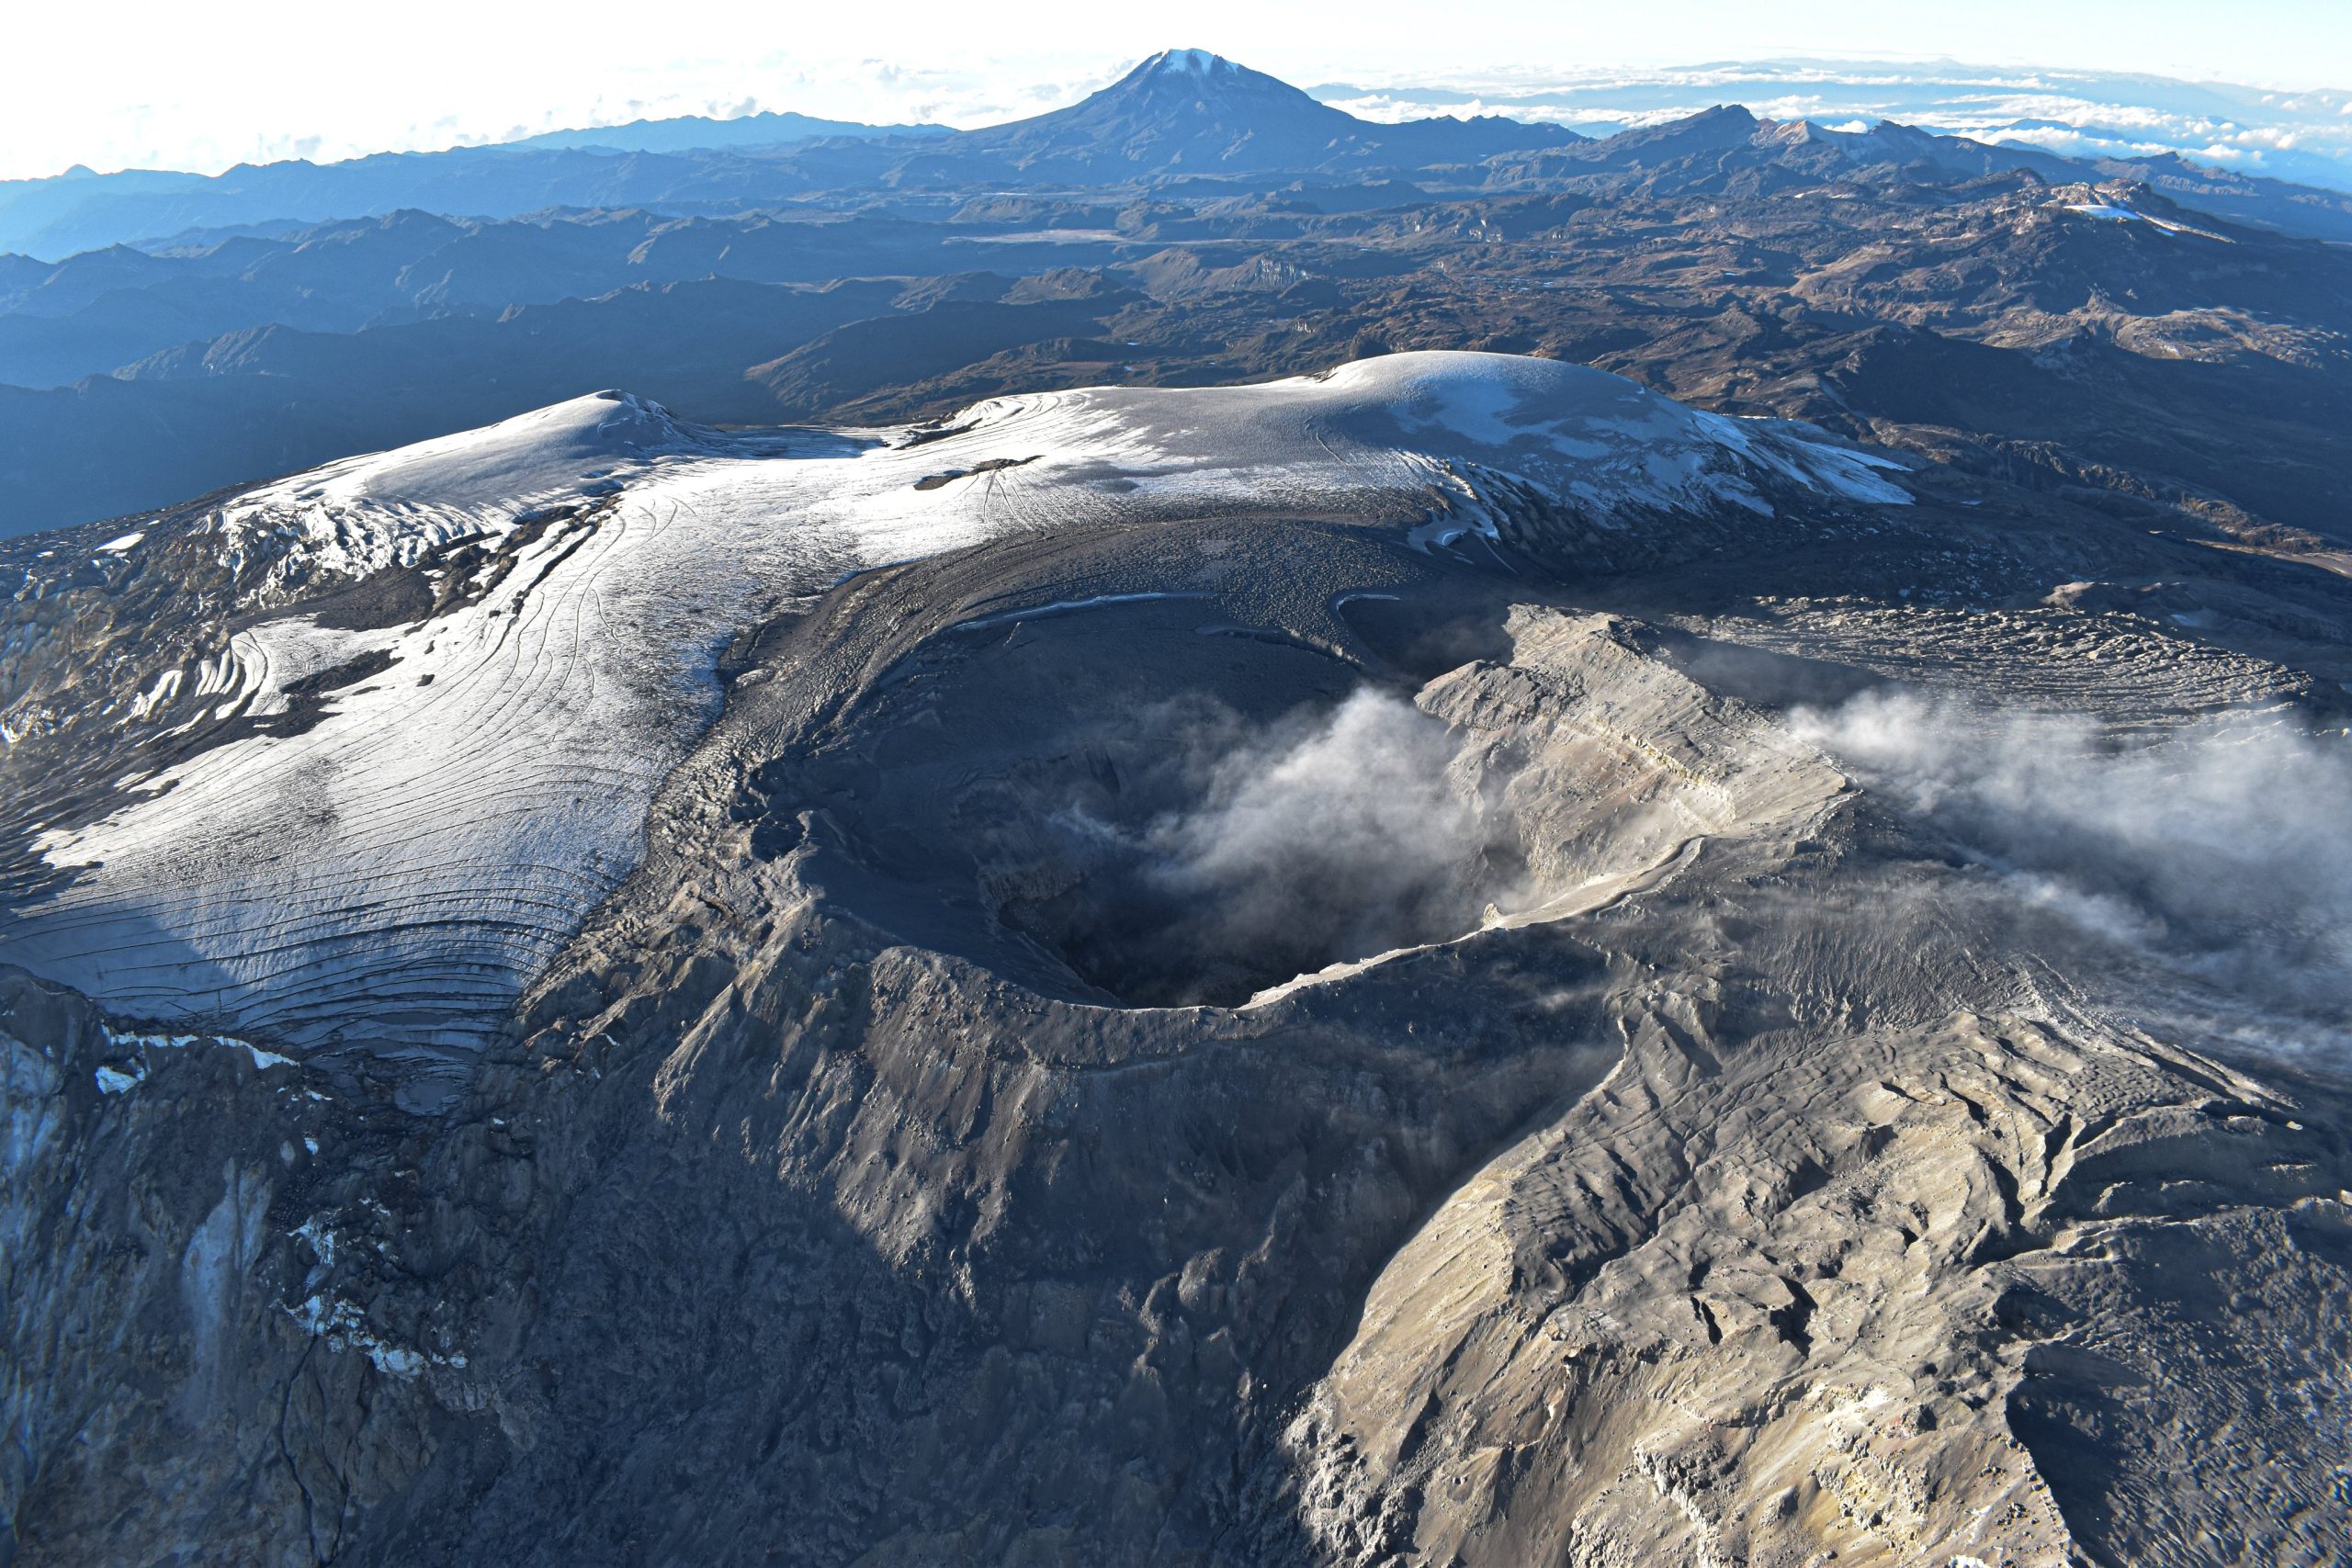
x: 2079, y: 114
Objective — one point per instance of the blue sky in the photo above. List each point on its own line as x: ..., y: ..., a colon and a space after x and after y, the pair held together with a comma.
x: 140, y: 83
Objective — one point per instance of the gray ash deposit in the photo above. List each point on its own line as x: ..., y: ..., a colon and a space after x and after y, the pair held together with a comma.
x: 1350, y: 971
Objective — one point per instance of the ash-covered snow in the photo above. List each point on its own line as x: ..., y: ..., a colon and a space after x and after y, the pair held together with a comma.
x: 2117, y: 212
x: 389, y: 878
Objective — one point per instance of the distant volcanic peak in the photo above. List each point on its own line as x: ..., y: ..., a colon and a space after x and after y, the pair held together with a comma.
x: 1184, y: 107
x: 1192, y: 109
x: 1196, y: 74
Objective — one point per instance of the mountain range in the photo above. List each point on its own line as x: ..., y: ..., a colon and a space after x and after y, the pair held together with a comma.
x: 1183, y: 113
x: 2085, y: 114
x: 687, y: 133
x: 1219, y: 224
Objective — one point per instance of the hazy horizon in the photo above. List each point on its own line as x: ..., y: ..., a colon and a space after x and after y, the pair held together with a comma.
x: 169, y: 91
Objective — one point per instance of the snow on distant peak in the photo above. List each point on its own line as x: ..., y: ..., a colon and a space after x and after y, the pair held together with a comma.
x: 1186, y: 62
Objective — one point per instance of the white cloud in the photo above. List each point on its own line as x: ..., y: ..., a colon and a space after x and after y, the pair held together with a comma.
x: 2299, y: 136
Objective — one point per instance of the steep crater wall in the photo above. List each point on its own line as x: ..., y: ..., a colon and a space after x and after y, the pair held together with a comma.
x: 1215, y: 812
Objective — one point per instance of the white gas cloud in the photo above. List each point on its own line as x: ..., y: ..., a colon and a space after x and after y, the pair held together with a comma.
x: 2222, y: 848
x: 1351, y: 821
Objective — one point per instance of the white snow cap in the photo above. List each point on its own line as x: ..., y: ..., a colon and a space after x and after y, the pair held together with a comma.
x: 1186, y: 62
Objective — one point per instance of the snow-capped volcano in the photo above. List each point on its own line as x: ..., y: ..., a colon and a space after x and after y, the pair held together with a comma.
x: 1188, y: 110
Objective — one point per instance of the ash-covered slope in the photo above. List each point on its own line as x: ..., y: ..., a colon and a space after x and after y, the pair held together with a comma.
x: 1446, y: 963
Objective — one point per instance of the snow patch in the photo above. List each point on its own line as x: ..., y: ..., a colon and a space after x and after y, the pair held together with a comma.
x: 343, y: 1327
x: 315, y: 1231
x: 113, y: 1081
x: 2117, y: 212
x: 262, y: 1059
x: 166, y: 687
